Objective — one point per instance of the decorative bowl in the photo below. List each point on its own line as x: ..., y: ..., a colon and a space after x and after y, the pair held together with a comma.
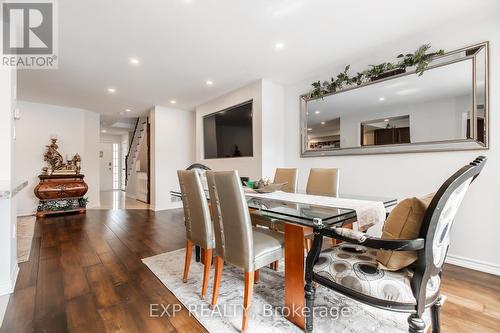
x: 270, y: 188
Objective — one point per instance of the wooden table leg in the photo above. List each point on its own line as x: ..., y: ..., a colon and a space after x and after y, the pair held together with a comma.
x: 294, y: 274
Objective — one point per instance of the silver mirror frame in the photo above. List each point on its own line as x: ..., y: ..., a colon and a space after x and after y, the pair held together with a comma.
x: 450, y: 145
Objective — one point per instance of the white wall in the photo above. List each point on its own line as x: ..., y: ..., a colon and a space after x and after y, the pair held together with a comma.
x: 77, y: 131
x: 402, y: 175
x: 272, y: 128
x: 268, y: 129
x: 8, y: 257
x: 172, y: 149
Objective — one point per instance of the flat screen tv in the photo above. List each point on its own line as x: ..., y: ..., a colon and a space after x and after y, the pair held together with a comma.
x: 228, y: 133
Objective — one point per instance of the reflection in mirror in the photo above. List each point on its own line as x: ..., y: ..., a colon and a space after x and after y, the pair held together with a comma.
x: 447, y: 104
x: 386, y: 131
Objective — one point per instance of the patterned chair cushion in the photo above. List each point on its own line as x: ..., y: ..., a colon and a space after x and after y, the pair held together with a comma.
x: 355, y: 267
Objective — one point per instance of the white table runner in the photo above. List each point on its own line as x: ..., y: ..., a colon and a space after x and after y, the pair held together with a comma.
x: 368, y: 212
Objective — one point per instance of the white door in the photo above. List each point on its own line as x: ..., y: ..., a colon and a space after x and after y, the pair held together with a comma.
x: 106, y: 166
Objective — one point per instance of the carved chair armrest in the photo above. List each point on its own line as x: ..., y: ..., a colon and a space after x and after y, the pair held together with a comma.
x: 357, y: 237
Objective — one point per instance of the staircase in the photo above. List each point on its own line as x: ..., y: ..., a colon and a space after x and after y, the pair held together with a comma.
x: 139, y: 136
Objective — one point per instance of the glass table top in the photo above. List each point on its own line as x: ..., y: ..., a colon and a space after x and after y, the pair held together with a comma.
x: 305, y: 214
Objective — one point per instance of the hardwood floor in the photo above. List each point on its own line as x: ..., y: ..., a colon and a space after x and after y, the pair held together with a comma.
x: 85, y: 275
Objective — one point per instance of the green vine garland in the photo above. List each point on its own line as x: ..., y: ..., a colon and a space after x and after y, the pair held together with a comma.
x: 420, y: 59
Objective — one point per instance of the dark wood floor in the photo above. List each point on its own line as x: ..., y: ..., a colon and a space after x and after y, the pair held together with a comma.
x: 85, y: 275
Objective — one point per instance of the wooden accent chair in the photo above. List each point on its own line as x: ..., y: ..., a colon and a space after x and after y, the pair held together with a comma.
x: 236, y: 241
x: 413, y: 288
x: 199, y: 228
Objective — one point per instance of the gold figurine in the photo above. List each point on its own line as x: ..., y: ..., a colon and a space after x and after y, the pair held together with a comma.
x: 55, y: 162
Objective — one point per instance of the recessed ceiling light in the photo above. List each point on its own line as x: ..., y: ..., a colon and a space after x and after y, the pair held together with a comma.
x: 103, y: 131
x: 317, y: 111
x: 134, y: 61
x: 386, y: 120
x: 279, y: 46
x: 322, y: 123
x: 111, y: 90
x: 209, y: 83
x: 173, y: 101
x: 381, y: 99
x: 309, y: 129
x: 128, y: 110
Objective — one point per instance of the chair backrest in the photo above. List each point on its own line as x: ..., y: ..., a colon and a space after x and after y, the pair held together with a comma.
x: 201, y: 169
x: 437, y: 224
x: 323, y: 182
x: 199, y: 228
x: 216, y: 216
x: 289, y: 176
x: 232, y: 222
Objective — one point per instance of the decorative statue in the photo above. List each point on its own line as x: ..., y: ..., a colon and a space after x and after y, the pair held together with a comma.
x: 74, y: 164
x: 56, y: 163
x: 52, y: 156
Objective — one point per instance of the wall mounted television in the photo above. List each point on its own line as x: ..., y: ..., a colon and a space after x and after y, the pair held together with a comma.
x: 228, y: 133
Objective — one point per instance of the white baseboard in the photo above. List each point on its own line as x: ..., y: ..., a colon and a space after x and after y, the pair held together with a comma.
x: 173, y: 205
x: 4, y: 301
x: 477, y: 265
x: 8, y: 287
x: 22, y: 214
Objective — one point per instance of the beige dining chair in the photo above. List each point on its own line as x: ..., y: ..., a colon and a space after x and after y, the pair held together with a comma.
x: 199, y: 227
x: 288, y: 176
x: 236, y: 241
x: 323, y: 182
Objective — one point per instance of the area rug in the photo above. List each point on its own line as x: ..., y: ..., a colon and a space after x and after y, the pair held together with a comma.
x: 25, y: 230
x: 334, y: 312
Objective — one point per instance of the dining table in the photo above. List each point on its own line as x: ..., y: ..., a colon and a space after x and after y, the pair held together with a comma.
x: 299, y: 217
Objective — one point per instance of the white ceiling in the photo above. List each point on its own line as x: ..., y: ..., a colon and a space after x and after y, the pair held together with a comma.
x: 183, y: 43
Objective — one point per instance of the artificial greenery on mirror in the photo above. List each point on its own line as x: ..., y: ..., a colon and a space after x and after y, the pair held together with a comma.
x: 420, y: 59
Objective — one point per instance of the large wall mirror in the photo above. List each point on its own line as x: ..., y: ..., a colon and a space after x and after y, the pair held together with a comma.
x: 446, y: 108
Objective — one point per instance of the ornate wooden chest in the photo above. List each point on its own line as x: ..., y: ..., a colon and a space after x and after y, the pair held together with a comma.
x: 61, y: 194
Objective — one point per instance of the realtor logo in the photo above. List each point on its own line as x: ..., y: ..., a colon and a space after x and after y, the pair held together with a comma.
x: 29, y: 36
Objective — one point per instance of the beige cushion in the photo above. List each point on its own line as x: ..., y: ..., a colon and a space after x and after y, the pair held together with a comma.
x: 403, y: 223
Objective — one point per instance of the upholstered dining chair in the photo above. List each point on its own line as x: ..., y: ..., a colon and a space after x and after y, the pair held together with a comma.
x: 323, y: 182
x: 281, y: 175
x: 236, y: 241
x: 199, y: 227
x: 352, y: 270
x: 288, y: 176
x: 201, y: 169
